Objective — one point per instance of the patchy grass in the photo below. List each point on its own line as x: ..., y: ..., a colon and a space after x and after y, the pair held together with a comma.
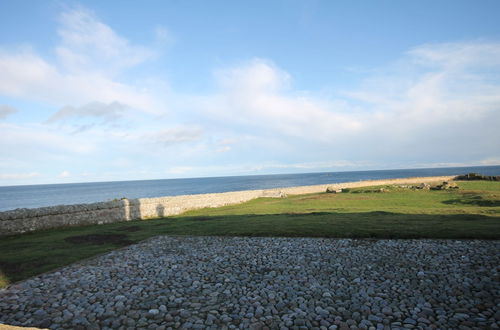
x: 472, y: 212
x: 368, y: 199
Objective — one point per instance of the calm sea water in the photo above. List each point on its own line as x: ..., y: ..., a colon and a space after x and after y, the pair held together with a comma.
x: 13, y: 197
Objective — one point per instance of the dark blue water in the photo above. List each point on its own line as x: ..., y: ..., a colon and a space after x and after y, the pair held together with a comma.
x: 13, y: 197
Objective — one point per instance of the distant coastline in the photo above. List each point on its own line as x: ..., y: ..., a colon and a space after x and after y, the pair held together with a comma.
x: 34, y: 196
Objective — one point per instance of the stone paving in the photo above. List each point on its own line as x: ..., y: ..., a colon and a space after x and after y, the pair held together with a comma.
x: 268, y: 283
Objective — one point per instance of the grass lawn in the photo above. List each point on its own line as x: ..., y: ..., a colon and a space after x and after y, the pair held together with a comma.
x: 471, y: 212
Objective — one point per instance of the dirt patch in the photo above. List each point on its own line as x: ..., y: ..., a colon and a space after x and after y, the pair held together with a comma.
x: 11, y: 268
x: 129, y: 228
x: 161, y: 224
x: 205, y: 218
x: 100, y: 239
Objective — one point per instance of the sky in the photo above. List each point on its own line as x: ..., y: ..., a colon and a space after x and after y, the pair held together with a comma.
x: 131, y: 90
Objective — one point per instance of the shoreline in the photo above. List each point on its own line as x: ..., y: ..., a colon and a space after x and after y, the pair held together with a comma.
x: 299, y: 190
x: 293, y: 190
x: 27, y: 220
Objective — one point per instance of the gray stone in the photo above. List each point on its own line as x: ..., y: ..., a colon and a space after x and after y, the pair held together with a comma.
x: 374, y: 318
x: 40, y: 313
x: 299, y: 321
x: 226, y: 282
x: 185, y: 314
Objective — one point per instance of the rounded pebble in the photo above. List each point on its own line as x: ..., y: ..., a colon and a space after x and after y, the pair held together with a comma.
x: 267, y: 283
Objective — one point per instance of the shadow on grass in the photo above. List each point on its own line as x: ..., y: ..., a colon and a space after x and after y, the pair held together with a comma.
x: 474, y: 201
x: 23, y: 256
x: 99, y: 239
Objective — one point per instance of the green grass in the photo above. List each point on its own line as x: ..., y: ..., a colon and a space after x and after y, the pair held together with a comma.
x: 467, y: 200
x: 472, y: 212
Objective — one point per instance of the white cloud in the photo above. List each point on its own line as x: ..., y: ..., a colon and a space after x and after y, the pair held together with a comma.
x: 179, y: 170
x: 39, y: 142
x: 64, y: 174
x: 88, y: 44
x: 18, y: 176
x: 257, y: 94
x: 223, y: 149
x: 107, y: 111
x: 457, y: 55
x: 173, y: 136
x: 256, y: 76
x: 26, y: 75
x: 6, y: 110
x: 337, y: 164
x: 440, y: 101
x: 90, y: 57
x: 445, y: 107
x: 489, y: 161
x: 266, y: 167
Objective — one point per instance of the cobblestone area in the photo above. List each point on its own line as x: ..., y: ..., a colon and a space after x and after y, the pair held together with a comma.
x: 268, y: 283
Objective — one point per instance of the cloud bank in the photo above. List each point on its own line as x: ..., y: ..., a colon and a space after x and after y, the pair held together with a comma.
x: 438, y: 104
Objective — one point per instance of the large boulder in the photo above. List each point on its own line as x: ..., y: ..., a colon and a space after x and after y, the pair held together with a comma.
x: 445, y: 186
x: 332, y: 190
x: 424, y: 186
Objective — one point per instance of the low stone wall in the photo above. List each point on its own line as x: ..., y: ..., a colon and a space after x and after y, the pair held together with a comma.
x: 26, y: 220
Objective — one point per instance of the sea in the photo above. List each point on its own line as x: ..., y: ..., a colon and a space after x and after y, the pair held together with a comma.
x: 31, y: 196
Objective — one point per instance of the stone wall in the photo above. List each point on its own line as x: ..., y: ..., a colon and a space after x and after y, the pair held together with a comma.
x: 26, y: 220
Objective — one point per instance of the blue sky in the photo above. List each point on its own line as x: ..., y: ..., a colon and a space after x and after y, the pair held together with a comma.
x: 108, y: 90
